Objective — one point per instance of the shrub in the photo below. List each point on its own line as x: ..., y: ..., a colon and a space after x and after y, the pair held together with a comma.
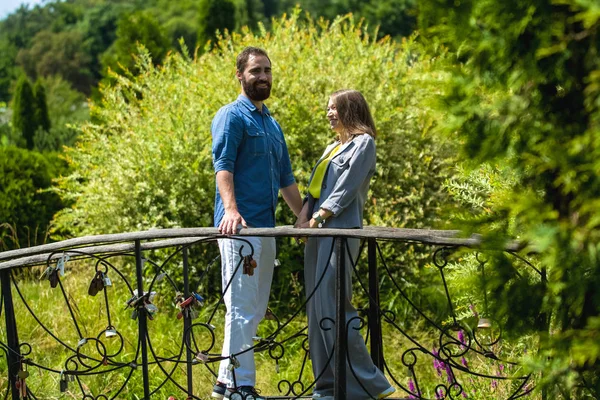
x: 26, y: 206
x: 145, y: 161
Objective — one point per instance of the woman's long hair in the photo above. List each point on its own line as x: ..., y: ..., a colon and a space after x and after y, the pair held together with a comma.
x: 353, y: 112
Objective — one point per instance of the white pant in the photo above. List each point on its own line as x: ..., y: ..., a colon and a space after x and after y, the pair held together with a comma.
x: 246, y: 301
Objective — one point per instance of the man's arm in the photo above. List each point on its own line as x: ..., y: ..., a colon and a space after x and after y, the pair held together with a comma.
x: 232, y: 217
x: 292, y: 197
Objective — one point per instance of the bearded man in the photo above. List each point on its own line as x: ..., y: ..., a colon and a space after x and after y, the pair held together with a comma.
x: 252, y: 165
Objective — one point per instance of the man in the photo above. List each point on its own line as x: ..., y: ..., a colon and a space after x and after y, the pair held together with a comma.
x: 252, y: 165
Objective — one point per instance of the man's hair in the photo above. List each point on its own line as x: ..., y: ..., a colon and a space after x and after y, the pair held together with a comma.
x: 353, y: 112
x: 242, y: 58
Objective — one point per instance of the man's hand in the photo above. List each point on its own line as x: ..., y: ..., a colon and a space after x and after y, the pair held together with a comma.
x: 231, y: 221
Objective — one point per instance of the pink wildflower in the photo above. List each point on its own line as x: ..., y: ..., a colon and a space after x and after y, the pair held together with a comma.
x: 472, y: 308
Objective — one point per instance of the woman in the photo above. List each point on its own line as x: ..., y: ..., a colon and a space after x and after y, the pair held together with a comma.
x: 339, y: 184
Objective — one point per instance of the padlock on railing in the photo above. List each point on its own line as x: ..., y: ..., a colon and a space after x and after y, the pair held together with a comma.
x: 249, y: 265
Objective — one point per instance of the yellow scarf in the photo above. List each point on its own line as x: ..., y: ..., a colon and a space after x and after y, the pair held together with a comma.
x: 314, y: 187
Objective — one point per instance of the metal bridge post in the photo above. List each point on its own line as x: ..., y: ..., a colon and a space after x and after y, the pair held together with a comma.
x: 340, y: 323
x: 374, y: 314
x: 187, y: 323
x: 142, y: 318
x: 13, y: 351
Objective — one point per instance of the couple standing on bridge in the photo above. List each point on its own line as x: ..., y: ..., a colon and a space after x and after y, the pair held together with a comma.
x: 252, y: 166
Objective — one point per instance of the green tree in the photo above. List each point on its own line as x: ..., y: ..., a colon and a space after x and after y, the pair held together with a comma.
x: 8, y: 71
x: 249, y: 13
x: 138, y: 28
x: 23, y: 106
x: 25, y: 203
x: 42, y: 119
x: 182, y: 27
x: 22, y: 25
x: 394, y: 17
x: 525, y: 94
x: 214, y: 15
x: 58, y: 53
x: 99, y: 27
x: 67, y: 109
x: 180, y: 21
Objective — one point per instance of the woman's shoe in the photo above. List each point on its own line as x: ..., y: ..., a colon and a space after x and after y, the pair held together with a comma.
x: 386, y: 393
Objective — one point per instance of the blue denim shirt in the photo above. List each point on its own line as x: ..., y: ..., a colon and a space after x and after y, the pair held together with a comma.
x: 250, y: 145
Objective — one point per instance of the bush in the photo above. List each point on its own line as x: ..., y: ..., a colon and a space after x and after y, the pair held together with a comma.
x: 526, y: 96
x: 145, y: 162
x: 26, y: 206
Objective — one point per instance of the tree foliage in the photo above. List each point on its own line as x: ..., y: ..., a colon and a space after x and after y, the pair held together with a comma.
x: 526, y: 95
x: 76, y: 39
x: 30, y: 118
x: 63, y: 53
x: 138, y: 28
x: 396, y: 18
x: 26, y: 205
x: 23, y: 118
x: 42, y: 118
x: 7, y: 70
x: 67, y: 108
x: 147, y: 161
x: 214, y: 15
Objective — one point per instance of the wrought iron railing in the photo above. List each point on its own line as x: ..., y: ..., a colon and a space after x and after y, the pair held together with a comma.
x: 135, y: 366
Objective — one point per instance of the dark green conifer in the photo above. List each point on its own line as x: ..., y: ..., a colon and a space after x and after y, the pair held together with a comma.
x: 42, y: 118
x: 214, y: 15
x: 24, y: 119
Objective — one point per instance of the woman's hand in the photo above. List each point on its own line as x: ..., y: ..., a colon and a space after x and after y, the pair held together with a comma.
x: 313, y: 223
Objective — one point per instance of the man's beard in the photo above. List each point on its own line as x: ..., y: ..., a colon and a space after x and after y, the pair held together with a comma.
x: 255, y: 93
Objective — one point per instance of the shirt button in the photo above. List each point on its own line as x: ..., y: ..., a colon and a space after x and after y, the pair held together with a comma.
x: 324, y: 186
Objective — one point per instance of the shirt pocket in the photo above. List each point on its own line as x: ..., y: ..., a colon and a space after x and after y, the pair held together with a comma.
x: 257, y: 141
x: 277, y: 145
x: 341, y: 162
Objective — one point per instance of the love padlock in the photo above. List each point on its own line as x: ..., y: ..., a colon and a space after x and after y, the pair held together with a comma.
x: 64, y: 385
x: 249, y: 265
x: 53, y: 278
x: 97, y: 284
x: 202, y: 357
x: 186, y: 302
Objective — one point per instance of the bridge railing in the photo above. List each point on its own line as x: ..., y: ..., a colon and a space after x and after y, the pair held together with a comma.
x: 120, y: 352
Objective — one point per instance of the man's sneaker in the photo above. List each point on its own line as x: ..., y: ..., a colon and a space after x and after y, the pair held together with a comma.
x: 219, y: 390
x: 243, y: 393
